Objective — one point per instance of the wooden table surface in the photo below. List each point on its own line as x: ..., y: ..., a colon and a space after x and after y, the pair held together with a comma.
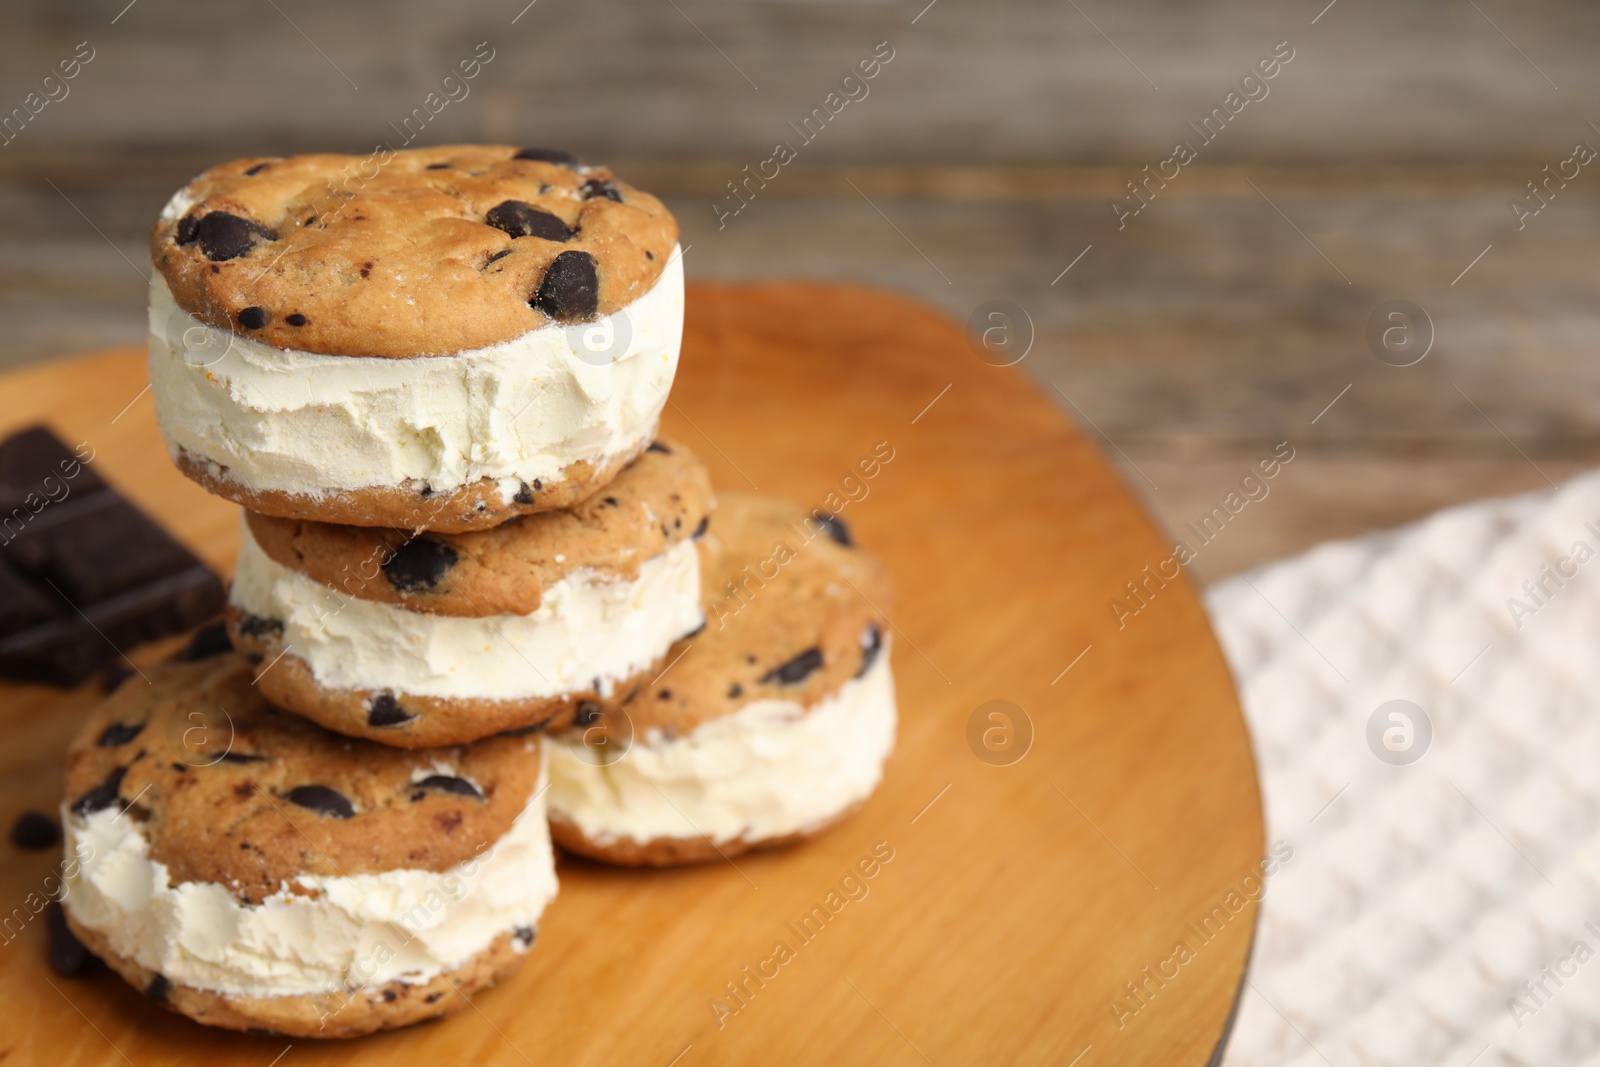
x: 1028, y: 881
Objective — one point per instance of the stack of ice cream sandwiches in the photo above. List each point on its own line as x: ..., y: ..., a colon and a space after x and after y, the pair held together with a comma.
x: 479, y: 603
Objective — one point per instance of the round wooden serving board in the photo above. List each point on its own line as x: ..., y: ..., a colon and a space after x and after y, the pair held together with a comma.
x: 1023, y: 894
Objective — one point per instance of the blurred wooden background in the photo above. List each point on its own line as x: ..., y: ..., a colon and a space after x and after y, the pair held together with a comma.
x: 1221, y: 320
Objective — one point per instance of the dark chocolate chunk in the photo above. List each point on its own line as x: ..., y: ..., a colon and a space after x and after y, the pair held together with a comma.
x: 208, y: 641
x: 548, y: 155
x: 871, y: 647
x: 524, y: 935
x: 158, y: 988
x: 521, y: 219
x: 796, y: 670
x: 599, y: 187
x: 834, y: 527
x: 524, y: 495
x: 385, y: 710
x: 188, y: 229
x: 224, y: 236
x: 700, y: 530
x: 119, y: 733
x: 101, y: 796
x: 657, y: 446
x: 570, y: 291
x: 260, y: 626
x: 611, y: 500
x: 82, y: 572
x: 34, y: 830
x: 257, y: 169
x: 296, y: 319
x: 419, y: 565
x: 447, y: 783
x: 63, y: 950
x: 497, y: 256
x: 253, y: 318
x: 322, y: 800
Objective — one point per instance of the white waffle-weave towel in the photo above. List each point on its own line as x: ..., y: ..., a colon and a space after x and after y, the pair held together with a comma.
x: 1444, y: 910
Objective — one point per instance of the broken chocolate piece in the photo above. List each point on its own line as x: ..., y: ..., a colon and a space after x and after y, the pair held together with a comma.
x: 796, y: 670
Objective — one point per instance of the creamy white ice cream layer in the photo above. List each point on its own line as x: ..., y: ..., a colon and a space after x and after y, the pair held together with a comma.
x: 352, y: 931
x: 302, y: 422
x: 586, y: 627
x: 771, y: 768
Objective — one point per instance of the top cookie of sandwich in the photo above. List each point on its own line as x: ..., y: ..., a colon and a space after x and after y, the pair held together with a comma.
x: 794, y: 610
x: 427, y: 251
x: 229, y: 789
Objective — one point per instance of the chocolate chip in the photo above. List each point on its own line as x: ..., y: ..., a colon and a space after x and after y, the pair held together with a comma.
x: 63, y: 950
x: 224, y: 236
x: 34, y: 830
x: 524, y: 495
x: 437, y: 166
x: 366, y: 269
x: 599, y: 187
x: 871, y: 646
x: 158, y: 988
x: 259, y: 626
x: 385, y: 710
x: 611, y: 500
x: 448, y: 783
x: 322, y: 800
x: 548, y: 155
x: 665, y: 694
x: 700, y: 531
x: 418, y: 565
x: 257, y: 169
x: 119, y: 733
x: 525, y: 935
x: 796, y: 670
x: 253, y: 318
x: 570, y: 291
x: 502, y: 254
x: 834, y: 527
x: 296, y: 319
x: 101, y: 796
x: 181, y: 768
x: 735, y: 691
x: 588, y: 713
x: 657, y: 446
x: 241, y: 757
x: 521, y: 219
x: 431, y: 997
x: 208, y: 641
x: 389, y: 995
x: 651, y: 256
x: 188, y: 228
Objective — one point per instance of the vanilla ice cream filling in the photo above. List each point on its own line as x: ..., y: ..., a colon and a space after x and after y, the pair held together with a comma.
x: 516, y: 412
x: 771, y: 768
x: 587, y: 627
x: 317, y: 935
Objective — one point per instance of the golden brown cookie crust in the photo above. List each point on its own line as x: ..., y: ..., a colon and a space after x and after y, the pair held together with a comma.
x: 331, y: 1015
x: 408, y: 506
x: 391, y: 255
x: 659, y: 500
x: 677, y: 851
x: 778, y: 587
x: 211, y: 771
x: 425, y: 722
